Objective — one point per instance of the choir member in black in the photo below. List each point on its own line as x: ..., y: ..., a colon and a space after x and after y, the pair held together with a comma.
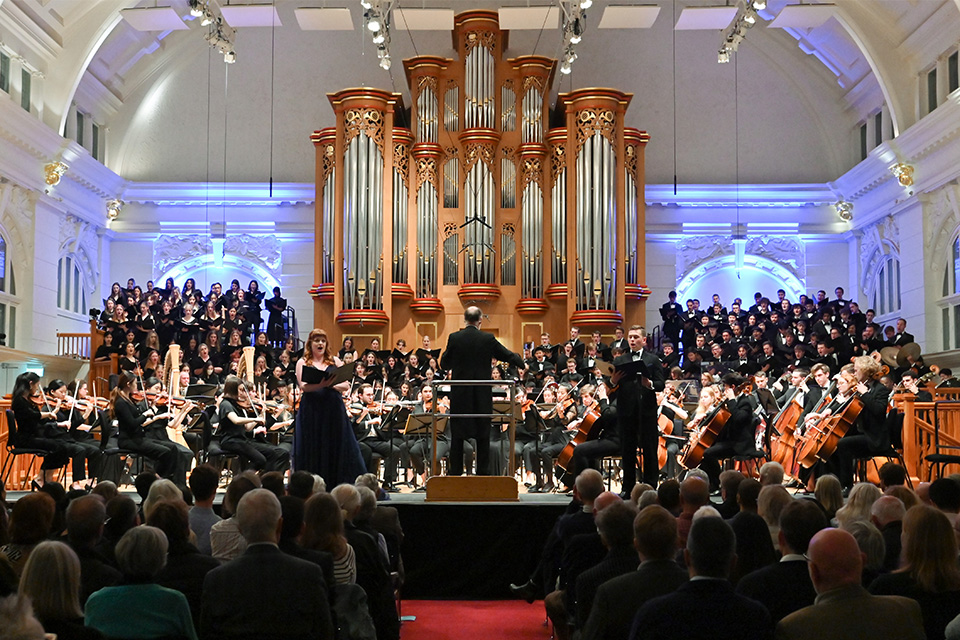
x: 540, y: 367
x: 189, y: 287
x: 570, y: 374
x: 105, y: 350
x: 187, y: 327
x: 133, y: 421
x: 129, y: 360
x: 262, y: 348
x: 254, y: 298
x: 234, y: 425
x: 367, y: 415
x: 275, y: 307
x: 166, y: 323
x: 538, y: 456
x: 157, y: 429
x: 737, y: 436
x: 235, y: 321
x: 202, y: 362
x: 144, y: 321
x: 151, y: 367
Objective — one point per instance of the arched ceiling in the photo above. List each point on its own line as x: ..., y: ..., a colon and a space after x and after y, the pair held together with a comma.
x: 873, y: 49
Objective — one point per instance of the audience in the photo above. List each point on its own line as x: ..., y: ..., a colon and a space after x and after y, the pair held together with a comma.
x: 615, y: 525
x: 324, y: 531
x: 930, y: 574
x: 301, y: 485
x: 140, y: 608
x: 160, y: 490
x: 291, y: 510
x: 226, y: 542
x: 770, y: 503
x: 186, y: 566
x: 870, y: 541
x: 829, y: 494
x: 886, y: 514
x: 710, y: 555
x: 17, y: 621
x: 754, y: 546
x: 122, y: 515
x: 771, y: 473
x: 31, y: 522
x: 51, y: 580
x: 85, y: 524
x: 857, y: 507
x: 843, y: 609
x: 694, y: 493
x: 785, y: 587
x: 293, y: 591
x: 729, y: 483
x: 203, y: 481
x: 945, y: 496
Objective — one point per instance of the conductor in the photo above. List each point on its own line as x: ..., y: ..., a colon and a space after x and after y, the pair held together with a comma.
x: 468, y: 356
x: 637, y: 410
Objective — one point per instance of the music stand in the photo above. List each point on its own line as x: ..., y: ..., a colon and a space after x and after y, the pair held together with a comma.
x: 205, y: 393
x: 503, y: 407
x: 418, y: 424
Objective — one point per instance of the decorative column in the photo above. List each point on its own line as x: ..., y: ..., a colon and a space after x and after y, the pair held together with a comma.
x: 325, y: 229
x: 402, y: 142
x: 635, y: 142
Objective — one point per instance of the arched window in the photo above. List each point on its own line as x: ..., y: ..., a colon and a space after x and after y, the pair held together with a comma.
x: 950, y: 302
x: 71, y: 295
x: 8, y: 299
x: 886, y: 293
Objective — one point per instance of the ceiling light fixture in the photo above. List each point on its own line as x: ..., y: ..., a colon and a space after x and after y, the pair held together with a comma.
x: 734, y: 34
x: 574, y: 24
x: 197, y: 7
x: 376, y: 16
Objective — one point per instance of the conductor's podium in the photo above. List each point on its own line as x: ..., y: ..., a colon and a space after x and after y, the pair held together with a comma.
x: 472, y: 489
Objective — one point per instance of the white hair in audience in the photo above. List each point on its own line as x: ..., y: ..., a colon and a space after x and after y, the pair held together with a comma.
x: 162, y: 489
x: 368, y: 503
x: 348, y: 498
x: 698, y: 473
x: 319, y: 484
x: 648, y: 498
x: 142, y: 553
x: 368, y: 480
x: 17, y: 621
x: 771, y: 473
x: 706, y: 511
x: 258, y: 514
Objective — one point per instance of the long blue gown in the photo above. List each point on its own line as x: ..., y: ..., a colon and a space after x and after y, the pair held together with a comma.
x: 323, y: 440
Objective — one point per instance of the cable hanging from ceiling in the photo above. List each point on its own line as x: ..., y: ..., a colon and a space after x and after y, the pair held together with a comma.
x: 733, y: 35
x: 376, y: 18
x: 574, y: 24
x: 220, y: 35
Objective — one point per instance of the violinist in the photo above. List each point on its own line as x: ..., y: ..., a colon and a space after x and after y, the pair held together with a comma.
x: 237, y: 418
x: 74, y: 421
x: 156, y: 430
x: 871, y: 434
x: 277, y: 456
x: 133, y: 421
x: 420, y: 446
x: 37, y: 428
x: 553, y: 438
x: 670, y: 406
x: 367, y: 416
x: 737, y: 436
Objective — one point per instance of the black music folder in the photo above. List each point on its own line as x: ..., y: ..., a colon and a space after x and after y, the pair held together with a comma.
x: 631, y: 368
x: 312, y: 375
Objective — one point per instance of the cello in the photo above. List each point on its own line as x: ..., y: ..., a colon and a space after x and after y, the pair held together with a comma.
x: 821, y: 440
x: 786, y: 425
x: 586, y: 430
x: 713, y: 424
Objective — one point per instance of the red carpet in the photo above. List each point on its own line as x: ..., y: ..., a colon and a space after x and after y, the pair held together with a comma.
x: 473, y: 620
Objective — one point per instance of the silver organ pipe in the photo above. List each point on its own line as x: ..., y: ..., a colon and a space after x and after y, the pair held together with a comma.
x: 451, y: 109
x: 362, y: 221
x: 451, y: 182
x: 596, y: 224
x: 479, y: 102
x: 508, y: 109
x: 329, y: 205
x: 400, y: 195
x: 630, y: 218
x: 508, y: 183
x: 532, y: 241
x: 508, y: 260
x: 558, y: 217
x: 480, y: 219
x: 427, y: 108
x: 427, y: 235
x: 532, y: 114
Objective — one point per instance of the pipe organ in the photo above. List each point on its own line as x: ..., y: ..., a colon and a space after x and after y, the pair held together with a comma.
x: 470, y: 196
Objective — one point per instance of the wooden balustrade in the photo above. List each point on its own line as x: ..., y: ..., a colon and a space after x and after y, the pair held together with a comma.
x: 920, y: 423
x: 74, y: 345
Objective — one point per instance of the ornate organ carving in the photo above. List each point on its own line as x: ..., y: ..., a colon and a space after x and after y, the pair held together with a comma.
x: 479, y: 201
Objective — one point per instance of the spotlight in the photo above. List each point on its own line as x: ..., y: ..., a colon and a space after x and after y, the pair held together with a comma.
x: 207, y: 19
x: 586, y: 4
x: 723, y: 56
x: 844, y: 210
x: 197, y: 8
x: 365, y: 4
x: 750, y: 18
x: 385, y: 63
x: 373, y: 22
x: 759, y: 5
x: 114, y: 207
x: 230, y: 57
x: 378, y: 37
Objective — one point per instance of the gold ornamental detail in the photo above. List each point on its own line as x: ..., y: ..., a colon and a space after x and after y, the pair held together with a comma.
x: 532, y: 172
x: 426, y: 172
x: 558, y: 161
x: 631, y: 163
x: 449, y: 230
x: 401, y: 159
x: 486, y: 39
x: 533, y: 81
x: 475, y: 152
x: 368, y: 121
x: 590, y: 121
x: 329, y: 161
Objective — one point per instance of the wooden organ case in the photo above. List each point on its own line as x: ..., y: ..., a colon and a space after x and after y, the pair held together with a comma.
x: 478, y: 202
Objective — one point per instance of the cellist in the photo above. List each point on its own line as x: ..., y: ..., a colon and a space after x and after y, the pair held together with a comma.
x: 604, y: 436
x: 870, y: 435
x: 737, y: 437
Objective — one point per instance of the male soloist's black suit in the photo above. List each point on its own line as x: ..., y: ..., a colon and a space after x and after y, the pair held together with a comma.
x: 265, y: 594
x: 637, y: 420
x: 617, y: 601
x: 468, y: 356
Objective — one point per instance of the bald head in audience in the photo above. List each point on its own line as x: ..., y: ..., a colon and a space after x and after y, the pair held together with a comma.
x: 259, y: 516
x: 835, y: 560
x: 886, y: 509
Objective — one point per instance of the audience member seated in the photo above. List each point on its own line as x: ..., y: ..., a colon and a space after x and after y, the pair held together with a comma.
x: 301, y: 485
x: 930, y: 574
x: 754, y: 546
x: 785, y: 587
x: 710, y: 555
x: 372, y: 572
x: 615, y: 524
x: 729, y: 483
x: 85, y: 523
x: 265, y: 594
x: 907, y: 496
x: 870, y: 541
x: 186, y: 566
x: 859, y: 502
x: 31, y: 521
x: 140, y: 608
x: 771, y: 473
x: 51, y: 579
x: 892, y: 475
x: 617, y: 601
x: 226, y: 542
x: 203, y: 483
x: 122, y: 515
x: 829, y: 495
x: 886, y: 514
x: 773, y: 498
x: 323, y: 531
x: 17, y: 621
x: 160, y: 490
x: 694, y: 493
x: 668, y: 496
x: 843, y: 609
x: 386, y: 520
x: 945, y: 495
x: 291, y: 510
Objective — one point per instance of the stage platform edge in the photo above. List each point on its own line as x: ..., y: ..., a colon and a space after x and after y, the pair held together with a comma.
x: 472, y: 489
